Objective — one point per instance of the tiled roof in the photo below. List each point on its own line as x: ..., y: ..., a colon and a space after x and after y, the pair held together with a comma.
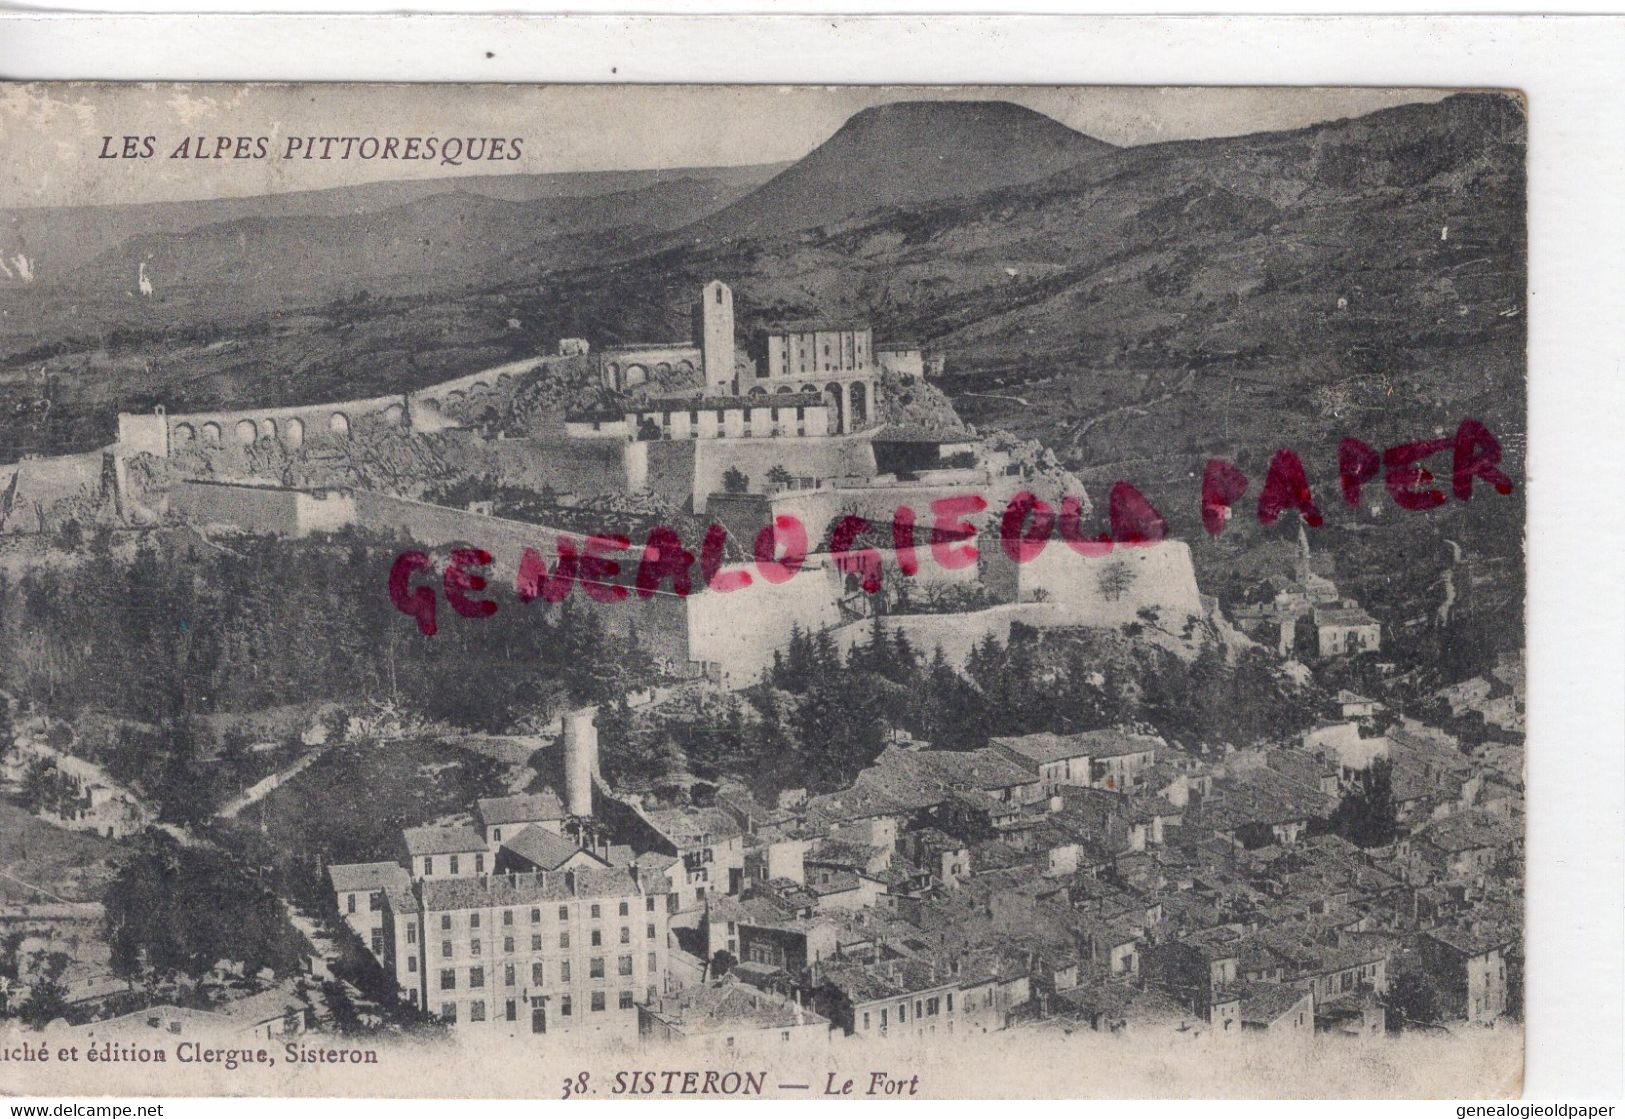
x: 863, y: 983
x: 729, y: 1005
x: 802, y: 326
x: 544, y: 849
x: 838, y: 882
x: 860, y: 802
x: 1471, y: 941
x: 1045, y: 747
x: 523, y: 889
x: 1343, y: 616
x: 836, y: 852
x: 1263, y: 1003
x: 688, y: 826
x: 443, y: 840
x: 1470, y: 831
x: 1117, y: 741
x: 527, y: 808
x: 263, y: 1007
x: 358, y: 877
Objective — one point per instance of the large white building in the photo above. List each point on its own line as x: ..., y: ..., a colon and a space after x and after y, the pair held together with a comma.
x: 542, y: 953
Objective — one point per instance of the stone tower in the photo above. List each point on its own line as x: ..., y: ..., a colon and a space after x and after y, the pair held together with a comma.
x: 580, y: 760
x: 716, y: 330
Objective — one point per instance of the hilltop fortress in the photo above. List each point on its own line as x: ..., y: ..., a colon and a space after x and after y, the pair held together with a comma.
x: 797, y: 423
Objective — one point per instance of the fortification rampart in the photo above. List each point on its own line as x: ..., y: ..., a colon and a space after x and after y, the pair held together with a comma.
x: 827, y: 456
x: 455, y: 403
x: 1079, y: 603
x: 660, y: 621
x: 42, y: 494
x: 293, y: 513
x: 740, y: 652
x: 1111, y: 589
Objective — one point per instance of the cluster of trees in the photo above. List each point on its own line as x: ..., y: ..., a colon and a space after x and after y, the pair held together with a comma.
x: 46, y: 789
x: 820, y: 716
x: 174, y: 911
x: 350, y: 806
x: 46, y: 998
x: 185, y: 630
x: 1368, y: 815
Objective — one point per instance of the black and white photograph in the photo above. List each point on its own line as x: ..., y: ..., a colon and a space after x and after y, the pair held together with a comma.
x: 762, y: 591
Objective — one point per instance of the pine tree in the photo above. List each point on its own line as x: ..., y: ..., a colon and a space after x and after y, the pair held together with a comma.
x: 798, y: 664
x: 904, y: 657
x: 875, y: 657
x: 826, y: 658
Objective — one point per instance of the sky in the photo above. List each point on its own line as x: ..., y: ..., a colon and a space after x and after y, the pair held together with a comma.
x: 52, y: 135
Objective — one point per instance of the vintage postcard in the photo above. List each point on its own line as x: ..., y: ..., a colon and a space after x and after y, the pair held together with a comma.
x: 790, y: 592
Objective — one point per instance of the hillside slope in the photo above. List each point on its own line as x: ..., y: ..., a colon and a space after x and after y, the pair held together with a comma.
x: 62, y: 241
x: 903, y: 154
x: 1165, y: 301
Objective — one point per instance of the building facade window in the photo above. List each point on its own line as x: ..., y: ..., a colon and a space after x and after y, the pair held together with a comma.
x: 626, y: 1000
x: 448, y: 979
x: 595, y: 967
x: 476, y: 977
x: 598, y: 1000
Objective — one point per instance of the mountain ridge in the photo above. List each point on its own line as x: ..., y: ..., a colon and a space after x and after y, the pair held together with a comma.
x: 902, y: 153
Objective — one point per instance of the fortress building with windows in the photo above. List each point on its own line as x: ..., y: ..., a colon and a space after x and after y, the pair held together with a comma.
x: 826, y: 368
